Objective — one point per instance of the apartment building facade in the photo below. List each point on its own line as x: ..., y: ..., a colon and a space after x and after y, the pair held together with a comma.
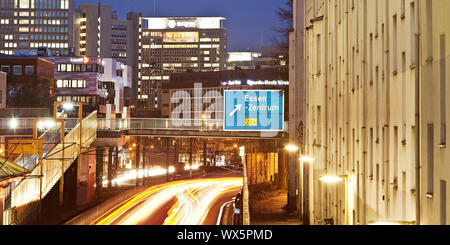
x: 100, y: 33
x: 376, y: 110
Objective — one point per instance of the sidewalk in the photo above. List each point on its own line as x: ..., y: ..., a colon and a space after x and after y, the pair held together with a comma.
x: 267, y: 207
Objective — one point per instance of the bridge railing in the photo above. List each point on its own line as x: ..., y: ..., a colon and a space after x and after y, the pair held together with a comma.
x: 160, y: 124
x: 27, y: 123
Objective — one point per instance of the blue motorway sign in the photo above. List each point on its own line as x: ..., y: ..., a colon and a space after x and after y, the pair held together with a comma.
x: 254, y: 110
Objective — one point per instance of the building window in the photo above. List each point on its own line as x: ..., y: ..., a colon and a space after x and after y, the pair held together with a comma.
x: 443, y: 202
x: 70, y: 83
x: 371, y: 154
x: 429, y: 22
x: 442, y: 90
x: 5, y: 69
x: 430, y: 159
x: 395, y: 51
x: 395, y: 165
x: 413, y: 33
x: 29, y: 70
x: 17, y: 70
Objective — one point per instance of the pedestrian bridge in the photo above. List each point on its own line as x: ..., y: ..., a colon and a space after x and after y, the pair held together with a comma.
x: 159, y: 127
x: 167, y: 127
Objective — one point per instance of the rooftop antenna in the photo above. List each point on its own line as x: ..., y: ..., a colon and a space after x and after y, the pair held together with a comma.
x: 262, y: 39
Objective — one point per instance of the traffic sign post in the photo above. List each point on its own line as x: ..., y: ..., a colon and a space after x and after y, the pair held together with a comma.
x: 254, y: 110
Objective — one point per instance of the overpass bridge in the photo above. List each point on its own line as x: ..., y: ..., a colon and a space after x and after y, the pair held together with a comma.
x: 167, y: 127
x: 58, y: 157
x: 159, y: 127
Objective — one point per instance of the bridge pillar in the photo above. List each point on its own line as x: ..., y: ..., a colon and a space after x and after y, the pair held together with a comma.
x: 137, y: 159
x: 167, y: 159
x: 99, y: 170
x: 204, y: 153
x: 116, y: 162
x: 110, y: 171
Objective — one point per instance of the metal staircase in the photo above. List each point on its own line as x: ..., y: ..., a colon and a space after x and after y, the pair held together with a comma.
x: 29, y: 190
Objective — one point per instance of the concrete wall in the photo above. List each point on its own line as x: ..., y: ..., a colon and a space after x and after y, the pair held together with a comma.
x: 434, y: 64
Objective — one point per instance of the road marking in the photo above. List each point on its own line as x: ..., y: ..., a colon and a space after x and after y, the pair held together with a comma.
x: 221, y: 211
x: 231, y: 170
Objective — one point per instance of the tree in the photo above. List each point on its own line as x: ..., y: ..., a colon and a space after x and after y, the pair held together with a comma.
x: 285, y: 16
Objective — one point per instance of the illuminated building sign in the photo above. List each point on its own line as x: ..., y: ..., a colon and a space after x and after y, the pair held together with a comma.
x: 83, y: 60
x: 256, y: 83
x: 185, y: 24
x: 159, y: 23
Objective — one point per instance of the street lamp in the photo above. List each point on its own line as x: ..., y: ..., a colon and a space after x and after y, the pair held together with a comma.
x: 295, y: 190
x: 331, y: 179
x: 307, y: 159
x: 305, y: 178
x: 46, y: 125
x: 13, y: 123
x: 291, y: 148
x: 336, y: 179
x: 68, y: 106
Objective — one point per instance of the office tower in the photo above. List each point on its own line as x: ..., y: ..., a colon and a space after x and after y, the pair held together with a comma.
x: 26, y: 25
x: 99, y: 33
x: 178, y: 44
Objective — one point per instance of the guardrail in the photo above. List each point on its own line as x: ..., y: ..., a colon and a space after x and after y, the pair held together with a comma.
x: 160, y: 124
x: 27, y: 123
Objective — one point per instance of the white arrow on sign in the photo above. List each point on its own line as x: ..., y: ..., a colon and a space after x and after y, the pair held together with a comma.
x: 238, y: 108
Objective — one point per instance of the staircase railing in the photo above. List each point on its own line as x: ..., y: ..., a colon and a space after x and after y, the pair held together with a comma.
x: 29, y: 189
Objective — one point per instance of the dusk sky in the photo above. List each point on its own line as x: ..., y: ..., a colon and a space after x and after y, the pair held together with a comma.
x: 247, y: 20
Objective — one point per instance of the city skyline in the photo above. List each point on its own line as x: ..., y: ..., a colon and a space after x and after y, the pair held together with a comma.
x: 248, y: 27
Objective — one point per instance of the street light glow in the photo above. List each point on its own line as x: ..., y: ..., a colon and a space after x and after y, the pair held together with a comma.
x: 306, y: 159
x: 68, y: 106
x: 331, y: 179
x: 291, y: 148
x: 13, y: 123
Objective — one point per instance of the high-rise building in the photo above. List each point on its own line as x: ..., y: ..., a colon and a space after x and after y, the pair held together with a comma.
x: 93, y: 30
x: 99, y: 33
x: 376, y: 110
x: 178, y: 44
x: 26, y: 25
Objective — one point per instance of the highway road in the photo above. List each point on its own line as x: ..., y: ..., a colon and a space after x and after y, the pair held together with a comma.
x: 183, y: 202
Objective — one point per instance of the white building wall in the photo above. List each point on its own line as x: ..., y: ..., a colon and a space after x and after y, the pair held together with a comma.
x: 361, y: 74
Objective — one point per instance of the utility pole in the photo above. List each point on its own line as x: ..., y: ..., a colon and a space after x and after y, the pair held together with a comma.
x: 190, y: 157
x: 167, y: 159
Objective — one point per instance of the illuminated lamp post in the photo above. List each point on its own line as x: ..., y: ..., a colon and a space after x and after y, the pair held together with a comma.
x: 336, y: 179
